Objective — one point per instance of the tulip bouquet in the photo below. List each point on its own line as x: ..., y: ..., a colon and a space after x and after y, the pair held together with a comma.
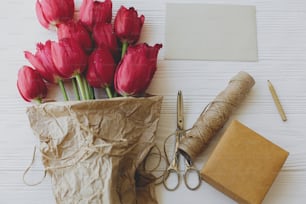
x: 92, y: 51
x: 89, y: 160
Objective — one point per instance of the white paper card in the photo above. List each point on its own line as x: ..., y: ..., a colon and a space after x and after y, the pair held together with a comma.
x: 211, y: 32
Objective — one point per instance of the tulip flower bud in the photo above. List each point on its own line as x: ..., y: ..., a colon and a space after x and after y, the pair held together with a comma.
x: 136, y: 69
x: 53, y: 12
x: 77, y: 32
x: 93, y: 12
x: 68, y: 57
x: 104, y: 36
x: 92, y: 77
x: 101, y: 68
x: 43, y: 63
x: 30, y: 84
x: 128, y: 25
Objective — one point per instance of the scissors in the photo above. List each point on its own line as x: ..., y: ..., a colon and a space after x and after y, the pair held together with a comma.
x: 173, y: 167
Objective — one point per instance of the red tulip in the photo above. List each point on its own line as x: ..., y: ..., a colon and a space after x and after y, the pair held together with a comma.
x: 128, y: 25
x: 101, y: 68
x: 52, y: 12
x: 104, y: 36
x: 93, y: 12
x: 77, y: 32
x: 136, y: 69
x: 92, y: 77
x: 43, y: 63
x: 68, y: 57
x: 30, y: 84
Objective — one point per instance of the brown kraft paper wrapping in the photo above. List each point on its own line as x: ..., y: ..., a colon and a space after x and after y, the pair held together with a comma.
x: 92, y: 149
x: 213, y: 118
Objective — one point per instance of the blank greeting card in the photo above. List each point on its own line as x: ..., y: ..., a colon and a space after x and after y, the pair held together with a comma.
x: 210, y: 32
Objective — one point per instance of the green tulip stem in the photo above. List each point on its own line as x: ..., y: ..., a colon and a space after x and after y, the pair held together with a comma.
x: 62, y: 87
x: 75, y: 89
x: 38, y: 100
x: 92, y: 92
x: 108, y: 92
x: 81, y: 85
x: 124, y: 48
x: 86, y: 88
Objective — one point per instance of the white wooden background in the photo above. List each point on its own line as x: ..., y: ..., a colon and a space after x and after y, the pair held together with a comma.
x: 282, y: 59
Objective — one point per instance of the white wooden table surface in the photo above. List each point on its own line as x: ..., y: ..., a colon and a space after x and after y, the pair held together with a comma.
x: 281, y: 27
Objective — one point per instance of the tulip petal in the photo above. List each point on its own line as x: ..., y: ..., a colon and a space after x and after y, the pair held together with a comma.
x: 92, y: 78
x: 68, y: 57
x: 104, y: 36
x: 58, y: 58
x: 104, y: 64
x: 40, y: 15
x: 69, y: 9
x: 86, y: 13
x: 94, y: 12
x: 30, y: 84
x: 128, y: 25
x: 50, y: 9
x: 44, y: 54
x: 135, y: 71
x: 77, y: 32
x: 33, y: 60
x: 102, y: 11
x: 21, y: 93
x: 52, y: 12
x: 39, y: 66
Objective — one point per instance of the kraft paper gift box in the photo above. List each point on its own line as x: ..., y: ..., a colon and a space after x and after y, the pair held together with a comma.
x: 244, y: 164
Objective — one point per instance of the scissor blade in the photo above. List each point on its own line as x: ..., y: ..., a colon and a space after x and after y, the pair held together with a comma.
x: 180, y: 111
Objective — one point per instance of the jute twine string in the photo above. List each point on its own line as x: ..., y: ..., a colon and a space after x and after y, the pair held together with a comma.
x: 166, y: 155
x: 162, y: 158
x: 215, y: 115
x: 148, y: 159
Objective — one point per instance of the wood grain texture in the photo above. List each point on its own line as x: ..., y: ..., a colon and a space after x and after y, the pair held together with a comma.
x: 281, y: 30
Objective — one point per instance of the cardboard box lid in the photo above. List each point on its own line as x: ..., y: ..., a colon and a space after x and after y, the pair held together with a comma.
x: 244, y: 164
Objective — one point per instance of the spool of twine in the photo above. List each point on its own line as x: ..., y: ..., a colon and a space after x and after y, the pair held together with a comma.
x: 215, y: 115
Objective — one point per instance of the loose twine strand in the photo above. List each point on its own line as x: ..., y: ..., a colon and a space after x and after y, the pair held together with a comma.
x: 28, y: 169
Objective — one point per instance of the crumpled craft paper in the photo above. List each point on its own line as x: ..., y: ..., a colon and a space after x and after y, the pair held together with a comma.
x: 92, y: 149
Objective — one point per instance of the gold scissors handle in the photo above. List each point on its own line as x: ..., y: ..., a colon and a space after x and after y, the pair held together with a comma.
x: 172, y: 169
x: 189, y: 168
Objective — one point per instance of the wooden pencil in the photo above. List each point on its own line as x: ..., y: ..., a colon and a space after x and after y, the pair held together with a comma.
x: 277, y: 101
